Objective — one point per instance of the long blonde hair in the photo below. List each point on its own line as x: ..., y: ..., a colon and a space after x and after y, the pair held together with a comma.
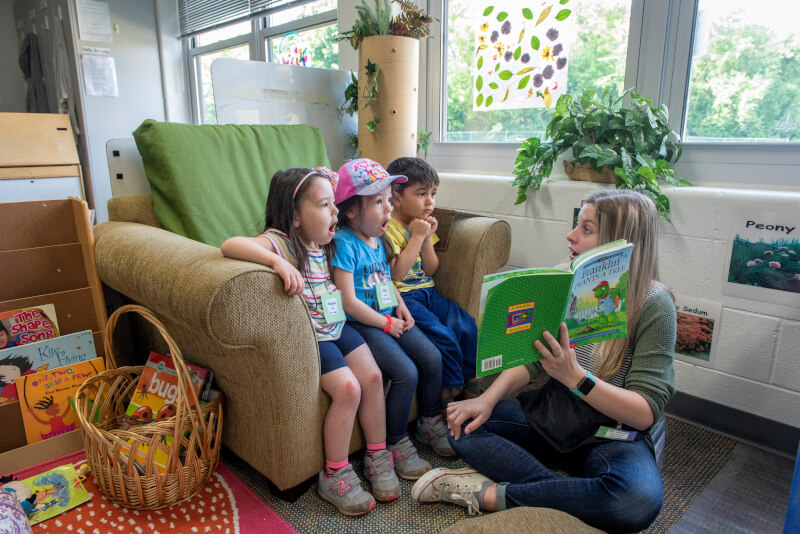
x: 629, y: 215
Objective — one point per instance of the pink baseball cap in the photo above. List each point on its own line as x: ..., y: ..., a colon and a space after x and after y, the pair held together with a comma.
x: 363, y: 177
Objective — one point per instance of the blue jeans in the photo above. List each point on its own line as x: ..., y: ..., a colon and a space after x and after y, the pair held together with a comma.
x: 620, y: 489
x: 450, y: 328
x: 398, y: 360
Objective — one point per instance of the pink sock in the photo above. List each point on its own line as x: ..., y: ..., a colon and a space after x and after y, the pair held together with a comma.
x: 372, y: 448
x: 331, y: 468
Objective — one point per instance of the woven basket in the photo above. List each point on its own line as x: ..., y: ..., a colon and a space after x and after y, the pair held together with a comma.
x: 576, y: 171
x: 194, y: 430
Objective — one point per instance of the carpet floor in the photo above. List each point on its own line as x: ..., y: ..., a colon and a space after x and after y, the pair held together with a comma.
x: 693, y: 457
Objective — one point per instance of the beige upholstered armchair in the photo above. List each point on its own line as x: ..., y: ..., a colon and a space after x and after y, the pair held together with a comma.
x: 235, y: 318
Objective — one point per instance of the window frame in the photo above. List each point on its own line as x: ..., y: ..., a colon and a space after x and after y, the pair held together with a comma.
x: 260, y: 31
x: 658, y: 66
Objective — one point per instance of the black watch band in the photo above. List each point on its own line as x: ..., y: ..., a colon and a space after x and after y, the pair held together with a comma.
x: 585, y: 385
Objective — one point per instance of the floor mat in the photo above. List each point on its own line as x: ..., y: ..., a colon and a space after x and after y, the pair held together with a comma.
x: 694, y: 455
x: 749, y: 495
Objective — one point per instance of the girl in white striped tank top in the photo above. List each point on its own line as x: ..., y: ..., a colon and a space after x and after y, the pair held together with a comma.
x: 300, y: 221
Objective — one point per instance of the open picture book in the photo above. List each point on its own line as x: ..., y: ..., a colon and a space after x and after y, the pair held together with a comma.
x: 518, y: 306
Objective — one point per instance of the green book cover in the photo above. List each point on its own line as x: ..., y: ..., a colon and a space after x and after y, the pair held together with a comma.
x: 518, y: 306
x: 57, y: 490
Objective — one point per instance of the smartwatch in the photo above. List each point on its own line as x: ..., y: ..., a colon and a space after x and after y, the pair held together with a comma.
x: 585, y: 385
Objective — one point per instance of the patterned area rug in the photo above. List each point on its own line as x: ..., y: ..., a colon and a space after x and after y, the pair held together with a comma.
x: 225, y: 505
x: 693, y: 457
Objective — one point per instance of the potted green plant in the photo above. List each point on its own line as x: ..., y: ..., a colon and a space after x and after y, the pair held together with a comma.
x: 388, y: 57
x: 631, y: 145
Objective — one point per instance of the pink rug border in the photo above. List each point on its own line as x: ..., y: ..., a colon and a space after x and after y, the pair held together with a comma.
x: 269, y: 521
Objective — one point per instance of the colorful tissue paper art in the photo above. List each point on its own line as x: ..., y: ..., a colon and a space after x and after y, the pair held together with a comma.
x: 292, y: 50
x: 521, y: 54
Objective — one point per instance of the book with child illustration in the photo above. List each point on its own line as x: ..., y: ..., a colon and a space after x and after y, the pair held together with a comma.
x: 26, y: 359
x: 26, y: 325
x: 51, y: 493
x: 517, y: 307
x: 155, y: 396
x: 45, y: 398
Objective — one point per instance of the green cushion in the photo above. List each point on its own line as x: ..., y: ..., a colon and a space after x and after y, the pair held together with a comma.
x: 210, y: 182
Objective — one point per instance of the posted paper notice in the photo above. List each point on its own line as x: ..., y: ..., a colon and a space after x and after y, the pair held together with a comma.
x: 94, y: 21
x: 100, y: 75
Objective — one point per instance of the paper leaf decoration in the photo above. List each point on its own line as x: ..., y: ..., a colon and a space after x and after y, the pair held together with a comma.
x: 521, y: 55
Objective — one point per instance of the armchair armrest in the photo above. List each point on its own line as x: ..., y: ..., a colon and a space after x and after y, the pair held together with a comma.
x: 235, y: 318
x: 478, y: 246
x: 183, y: 279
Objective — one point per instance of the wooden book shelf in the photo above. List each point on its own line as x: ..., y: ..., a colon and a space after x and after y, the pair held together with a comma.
x: 47, y: 254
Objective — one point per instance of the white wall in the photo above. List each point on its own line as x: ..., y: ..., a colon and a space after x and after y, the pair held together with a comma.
x: 174, y: 76
x: 757, y: 364
x: 12, y: 83
x: 134, y: 47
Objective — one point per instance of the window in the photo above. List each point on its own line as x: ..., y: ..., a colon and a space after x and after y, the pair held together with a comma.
x: 728, y: 71
x: 299, y: 32
x: 594, y: 36
x: 312, y: 47
x: 205, y: 90
x: 223, y: 34
x: 744, y: 82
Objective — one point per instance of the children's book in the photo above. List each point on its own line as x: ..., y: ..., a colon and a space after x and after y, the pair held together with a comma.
x: 518, y: 306
x: 155, y: 396
x: 42, y: 355
x: 26, y: 325
x: 53, y: 492
x: 44, y: 398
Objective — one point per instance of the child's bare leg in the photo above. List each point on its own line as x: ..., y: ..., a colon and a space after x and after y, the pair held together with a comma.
x: 345, y: 392
x: 372, y: 411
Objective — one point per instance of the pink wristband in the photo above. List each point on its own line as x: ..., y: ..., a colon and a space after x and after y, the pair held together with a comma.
x: 388, y: 324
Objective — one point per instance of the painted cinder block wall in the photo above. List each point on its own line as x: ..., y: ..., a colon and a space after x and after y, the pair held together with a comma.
x: 756, y: 368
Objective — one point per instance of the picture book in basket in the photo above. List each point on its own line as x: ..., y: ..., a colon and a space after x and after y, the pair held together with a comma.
x: 26, y: 325
x: 27, y: 359
x: 155, y: 400
x: 46, y: 398
x: 50, y: 493
x: 518, y: 306
x: 157, y: 389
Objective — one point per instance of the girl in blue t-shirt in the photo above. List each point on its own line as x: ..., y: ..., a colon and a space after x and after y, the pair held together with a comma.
x: 376, y: 310
x: 300, y: 221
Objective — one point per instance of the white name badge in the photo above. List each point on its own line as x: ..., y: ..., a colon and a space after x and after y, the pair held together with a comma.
x: 332, y: 307
x: 386, y: 296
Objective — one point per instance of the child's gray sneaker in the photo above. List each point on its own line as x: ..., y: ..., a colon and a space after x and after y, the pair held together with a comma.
x: 458, y: 486
x: 379, y: 470
x: 407, y: 462
x: 344, y: 491
x: 433, y: 432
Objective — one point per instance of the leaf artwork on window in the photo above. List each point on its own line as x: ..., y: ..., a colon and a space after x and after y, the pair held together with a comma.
x: 521, y: 54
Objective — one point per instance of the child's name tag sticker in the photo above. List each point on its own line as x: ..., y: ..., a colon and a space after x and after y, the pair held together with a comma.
x: 332, y: 307
x: 386, y: 296
x: 616, y: 434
